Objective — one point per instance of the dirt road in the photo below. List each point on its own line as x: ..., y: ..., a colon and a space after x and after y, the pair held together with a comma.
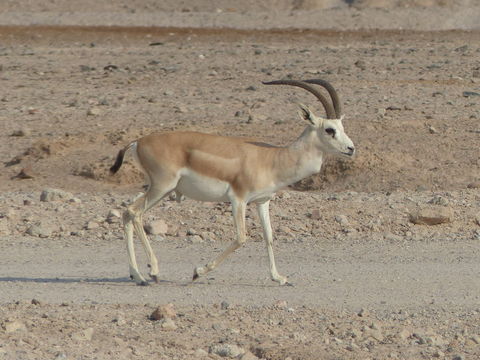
x: 368, y: 282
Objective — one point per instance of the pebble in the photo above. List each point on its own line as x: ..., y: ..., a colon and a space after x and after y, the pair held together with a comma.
x: 21, y: 132
x: 168, y: 324
x: 164, y: 312
x: 432, y: 215
x: 227, y: 350
x: 40, y: 230
x: 14, y: 326
x: 91, y: 225
x: 156, y: 227
x: 93, y: 111
x: 48, y: 195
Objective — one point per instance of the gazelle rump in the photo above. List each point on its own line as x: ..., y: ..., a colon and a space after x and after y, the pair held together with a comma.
x: 215, y: 168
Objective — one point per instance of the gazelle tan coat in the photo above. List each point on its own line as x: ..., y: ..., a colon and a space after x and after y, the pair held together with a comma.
x: 207, y: 167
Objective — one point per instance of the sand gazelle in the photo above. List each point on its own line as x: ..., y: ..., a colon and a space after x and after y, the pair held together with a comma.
x: 215, y: 168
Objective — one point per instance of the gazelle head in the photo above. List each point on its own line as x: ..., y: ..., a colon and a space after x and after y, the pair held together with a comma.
x: 330, y: 135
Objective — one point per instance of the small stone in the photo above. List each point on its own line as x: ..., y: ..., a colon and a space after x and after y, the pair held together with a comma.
x: 93, y: 111
x: 14, y: 326
x: 91, y: 225
x: 36, y: 302
x: 40, y: 230
x: 163, y: 312
x: 361, y: 64
x: 195, y: 239
x: 470, y: 94
x: 168, y: 324
x: 474, y: 185
x: 281, y: 304
x: 404, y: 334
x: 156, y: 227
x: 54, y: 195
x: 432, y: 215
x: 21, y: 132
x: 342, y: 220
x: 224, y: 305
x: 363, y: 313
x: 227, y: 350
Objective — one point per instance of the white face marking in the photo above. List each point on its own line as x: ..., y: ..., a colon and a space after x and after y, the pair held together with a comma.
x: 202, y: 188
x: 333, y: 137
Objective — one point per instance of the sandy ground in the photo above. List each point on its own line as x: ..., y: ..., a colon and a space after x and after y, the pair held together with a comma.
x: 368, y: 283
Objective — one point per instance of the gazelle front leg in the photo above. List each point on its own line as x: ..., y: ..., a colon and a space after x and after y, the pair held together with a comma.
x: 264, y: 214
x: 238, y: 211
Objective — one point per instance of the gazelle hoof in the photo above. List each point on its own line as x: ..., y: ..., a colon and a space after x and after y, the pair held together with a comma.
x: 143, y: 283
x: 155, y: 278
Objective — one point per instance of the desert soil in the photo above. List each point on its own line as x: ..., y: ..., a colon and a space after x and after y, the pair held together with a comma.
x: 368, y: 281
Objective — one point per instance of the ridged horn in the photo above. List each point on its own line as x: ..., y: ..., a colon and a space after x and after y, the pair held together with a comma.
x: 330, y: 111
x: 333, y: 94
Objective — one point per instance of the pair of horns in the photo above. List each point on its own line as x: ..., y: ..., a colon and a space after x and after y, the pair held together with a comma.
x: 333, y: 110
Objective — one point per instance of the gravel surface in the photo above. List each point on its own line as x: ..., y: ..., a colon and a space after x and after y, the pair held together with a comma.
x: 383, y: 252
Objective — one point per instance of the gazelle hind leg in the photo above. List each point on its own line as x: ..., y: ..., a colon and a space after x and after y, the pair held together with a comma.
x: 264, y: 215
x: 133, y: 221
x: 135, y: 274
x: 238, y: 211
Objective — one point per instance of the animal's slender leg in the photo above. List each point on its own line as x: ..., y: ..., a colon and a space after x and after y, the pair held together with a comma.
x: 264, y: 215
x: 238, y: 211
x: 133, y: 220
x: 135, y: 274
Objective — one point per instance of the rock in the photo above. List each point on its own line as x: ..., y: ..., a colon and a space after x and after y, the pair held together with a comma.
x: 156, y: 227
x: 168, y: 324
x: 113, y: 216
x: 404, y: 334
x: 91, y: 225
x: 470, y: 94
x: 21, y: 132
x: 164, y: 312
x: 195, y: 239
x: 224, y: 305
x: 363, y: 313
x: 54, y: 195
x: 93, y: 111
x: 40, y: 230
x: 361, y: 64
x: 227, y: 350
x: 474, y: 185
x: 14, y: 326
x: 438, y: 200
x: 432, y: 215
x: 342, y: 220
x: 281, y: 304
x: 36, y: 302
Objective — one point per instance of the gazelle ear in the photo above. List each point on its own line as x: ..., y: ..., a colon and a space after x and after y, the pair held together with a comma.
x: 307, y: 115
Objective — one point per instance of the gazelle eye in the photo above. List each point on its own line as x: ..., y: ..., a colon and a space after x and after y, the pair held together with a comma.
x: 330, y: 132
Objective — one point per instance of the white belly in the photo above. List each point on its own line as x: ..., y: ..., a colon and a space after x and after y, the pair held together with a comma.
x: 202, y: 188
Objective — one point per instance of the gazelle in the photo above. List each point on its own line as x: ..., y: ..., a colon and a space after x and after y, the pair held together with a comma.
x: 207, y: 167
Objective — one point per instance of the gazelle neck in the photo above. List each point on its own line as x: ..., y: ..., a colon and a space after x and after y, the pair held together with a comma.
x: 301, y: 159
